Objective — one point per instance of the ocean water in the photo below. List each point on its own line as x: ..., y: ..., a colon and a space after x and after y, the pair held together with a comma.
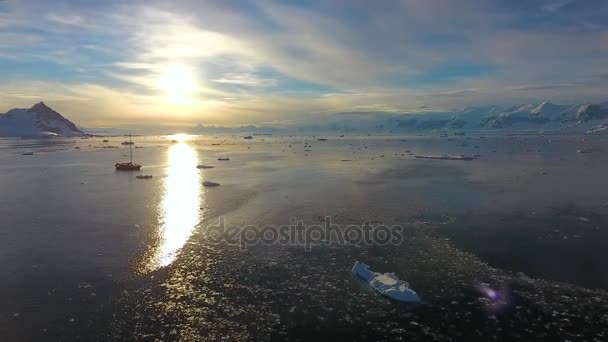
x: 511, y: 245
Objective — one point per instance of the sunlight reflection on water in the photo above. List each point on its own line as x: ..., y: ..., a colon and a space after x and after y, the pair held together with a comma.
x: 179, y: 209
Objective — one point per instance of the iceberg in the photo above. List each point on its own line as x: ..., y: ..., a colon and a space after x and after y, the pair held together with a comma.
x: 444, y: 157
x: 387, y: 284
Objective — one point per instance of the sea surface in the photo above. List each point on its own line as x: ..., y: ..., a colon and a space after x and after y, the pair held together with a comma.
x: 509, y: 246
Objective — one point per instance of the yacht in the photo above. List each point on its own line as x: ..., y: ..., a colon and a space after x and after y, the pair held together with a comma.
x: 130, y: 166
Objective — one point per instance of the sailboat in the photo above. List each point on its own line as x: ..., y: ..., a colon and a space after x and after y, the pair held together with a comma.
x: 128, y: 166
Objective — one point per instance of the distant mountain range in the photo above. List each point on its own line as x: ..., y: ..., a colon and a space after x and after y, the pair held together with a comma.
x: 200, y: 129
x: 544, y: 116
x: 38, y: 121
x: 42, y: 121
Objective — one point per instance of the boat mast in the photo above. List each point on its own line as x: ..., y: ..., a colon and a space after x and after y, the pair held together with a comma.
x: 130, y: 149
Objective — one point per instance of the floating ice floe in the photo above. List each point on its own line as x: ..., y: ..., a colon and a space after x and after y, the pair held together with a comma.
x: 444, y: 157
x: 387, y: 284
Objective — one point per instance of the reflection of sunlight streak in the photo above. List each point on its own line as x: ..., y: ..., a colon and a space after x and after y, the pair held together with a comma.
x: 179, y: 209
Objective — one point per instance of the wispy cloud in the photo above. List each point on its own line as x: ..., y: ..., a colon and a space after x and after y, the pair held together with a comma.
x: 246, y: 80
x: 274, y: 61
x: 554, y: 6
x: 528, y: 87
x: 456, y: 93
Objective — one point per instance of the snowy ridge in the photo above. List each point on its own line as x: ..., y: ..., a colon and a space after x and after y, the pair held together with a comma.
x: 530, y: 117
x: 37, y: 121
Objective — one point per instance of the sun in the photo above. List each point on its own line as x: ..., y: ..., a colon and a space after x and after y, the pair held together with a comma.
x: 178, y: 82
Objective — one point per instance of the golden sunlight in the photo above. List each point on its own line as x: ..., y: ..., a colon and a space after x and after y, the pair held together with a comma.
x: 179, y: 210
x: 179, y: 83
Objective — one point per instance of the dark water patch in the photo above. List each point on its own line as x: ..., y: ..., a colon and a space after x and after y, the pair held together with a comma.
x: 415, y: 171
x: 566, y: 243
x: 53, y: 144
x: 263, y: 169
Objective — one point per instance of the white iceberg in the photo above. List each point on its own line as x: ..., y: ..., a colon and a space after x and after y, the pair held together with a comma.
x: 387, y: 284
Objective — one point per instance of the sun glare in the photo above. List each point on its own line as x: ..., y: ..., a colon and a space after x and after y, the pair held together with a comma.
x: 178, y: 82
x: 180, y: 137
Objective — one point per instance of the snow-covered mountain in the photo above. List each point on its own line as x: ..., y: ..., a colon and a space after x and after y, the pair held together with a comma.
x: 544, y: 116
x: 38, y: 121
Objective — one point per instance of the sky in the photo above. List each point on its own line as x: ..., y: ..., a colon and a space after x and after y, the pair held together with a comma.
x: 180, y: 63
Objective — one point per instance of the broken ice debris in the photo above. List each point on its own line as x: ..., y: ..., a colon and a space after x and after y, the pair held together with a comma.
x: 387, y: 284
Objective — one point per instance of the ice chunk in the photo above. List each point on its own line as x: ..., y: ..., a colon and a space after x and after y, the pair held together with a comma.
x: 444, y: 157
x: 387, y: 284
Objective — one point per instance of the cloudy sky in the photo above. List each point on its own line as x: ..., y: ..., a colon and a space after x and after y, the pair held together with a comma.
x: 178, y: 63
